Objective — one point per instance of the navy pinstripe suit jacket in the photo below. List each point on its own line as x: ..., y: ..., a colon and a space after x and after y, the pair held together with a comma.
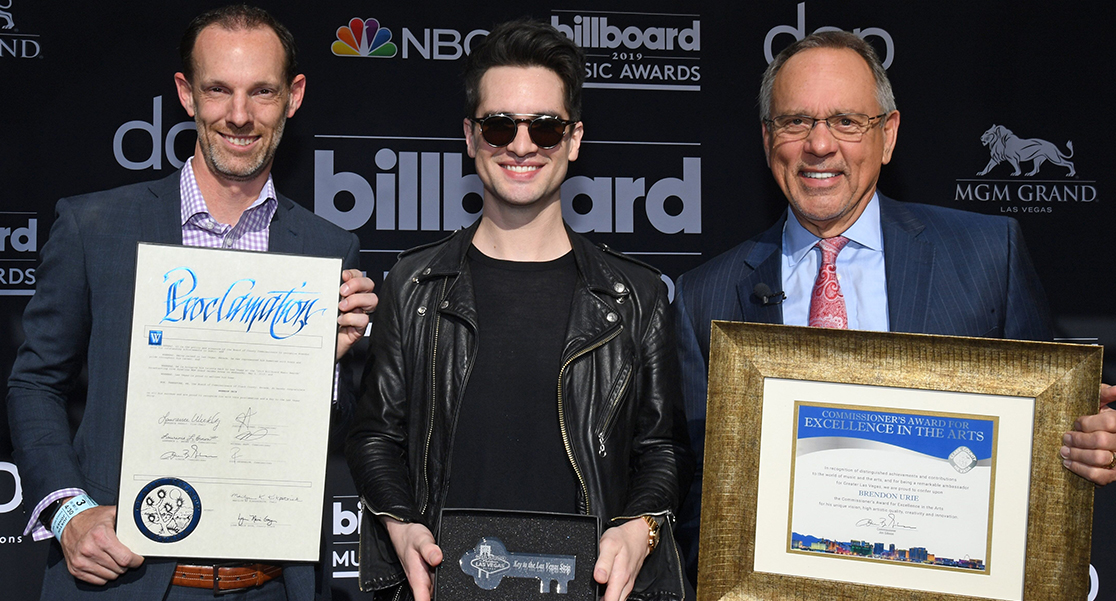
x: 948, y: 272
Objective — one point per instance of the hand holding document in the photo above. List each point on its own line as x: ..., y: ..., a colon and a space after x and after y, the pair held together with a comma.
x: 229, y: 390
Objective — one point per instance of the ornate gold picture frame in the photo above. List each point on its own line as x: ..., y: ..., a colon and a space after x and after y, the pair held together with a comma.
x: 1060, y: 381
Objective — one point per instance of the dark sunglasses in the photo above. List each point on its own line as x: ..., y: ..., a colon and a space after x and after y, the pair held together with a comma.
x: 499, y: 130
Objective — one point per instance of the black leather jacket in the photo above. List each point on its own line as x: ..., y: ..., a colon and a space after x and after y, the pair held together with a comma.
x: 618, y: 397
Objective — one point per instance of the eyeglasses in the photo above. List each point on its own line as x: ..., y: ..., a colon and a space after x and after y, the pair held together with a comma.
x: 847, y: 127
x: 499, y: 130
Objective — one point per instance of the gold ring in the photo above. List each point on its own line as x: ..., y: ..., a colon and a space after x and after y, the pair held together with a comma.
x: 1112, y: 464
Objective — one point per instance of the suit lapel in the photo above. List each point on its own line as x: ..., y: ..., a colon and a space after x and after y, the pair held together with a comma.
x: 162, y: 213
x: 909, y: 265
x: 764, y: 260
x: 283, y: 234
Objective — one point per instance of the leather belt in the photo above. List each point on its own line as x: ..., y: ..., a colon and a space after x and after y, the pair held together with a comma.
x: 225, y: 577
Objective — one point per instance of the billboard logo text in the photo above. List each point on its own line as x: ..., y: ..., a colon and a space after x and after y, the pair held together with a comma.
x: 346, y: 522
x: 595, y: 32
x: 20, y: 239
x: 428, y: 191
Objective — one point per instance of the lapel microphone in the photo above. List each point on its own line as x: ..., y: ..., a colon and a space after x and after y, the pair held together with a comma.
x: 767, y: 296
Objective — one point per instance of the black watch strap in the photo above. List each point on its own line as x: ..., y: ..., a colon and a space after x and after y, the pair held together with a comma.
x: 47, y: 515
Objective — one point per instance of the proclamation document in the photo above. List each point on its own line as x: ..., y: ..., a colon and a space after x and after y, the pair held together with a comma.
x: 230, y: 386
x: 907, y: 488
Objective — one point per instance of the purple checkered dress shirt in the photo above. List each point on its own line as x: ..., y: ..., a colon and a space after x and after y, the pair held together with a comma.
x: 201, y: 229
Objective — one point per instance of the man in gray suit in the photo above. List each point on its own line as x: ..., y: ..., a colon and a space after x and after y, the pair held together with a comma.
x: 239, y: 82
x: 845, y: 255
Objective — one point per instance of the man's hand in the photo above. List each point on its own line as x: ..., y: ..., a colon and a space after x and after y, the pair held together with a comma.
x: 1090, y: 450
x: 92, y: 551
x: 622, y: 552
x: 414, y: 544
x: 357, y: 301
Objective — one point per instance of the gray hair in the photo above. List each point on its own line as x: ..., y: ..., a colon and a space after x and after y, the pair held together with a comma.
x: 828, y: 39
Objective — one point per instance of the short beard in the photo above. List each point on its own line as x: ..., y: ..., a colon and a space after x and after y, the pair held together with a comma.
x: 217, y: 166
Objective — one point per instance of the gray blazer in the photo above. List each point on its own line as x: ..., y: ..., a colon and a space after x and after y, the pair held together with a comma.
x: 80, y: 316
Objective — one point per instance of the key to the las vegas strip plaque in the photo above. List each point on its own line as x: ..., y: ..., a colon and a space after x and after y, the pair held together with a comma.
x: 489, y: 563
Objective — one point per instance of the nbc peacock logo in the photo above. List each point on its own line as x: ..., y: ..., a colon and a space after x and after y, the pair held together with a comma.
x: 364, y: 38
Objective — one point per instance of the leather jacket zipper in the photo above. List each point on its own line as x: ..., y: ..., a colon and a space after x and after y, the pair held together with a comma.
x: 562, y: 414
x: 433, y: 404
x: 605, y: 427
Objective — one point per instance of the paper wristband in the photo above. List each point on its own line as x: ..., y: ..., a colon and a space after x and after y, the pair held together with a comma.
x: 67, y: 512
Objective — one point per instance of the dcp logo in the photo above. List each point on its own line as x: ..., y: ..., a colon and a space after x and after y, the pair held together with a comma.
x: 17, y: 491
x: 799, y: 32
x: 154, y: 128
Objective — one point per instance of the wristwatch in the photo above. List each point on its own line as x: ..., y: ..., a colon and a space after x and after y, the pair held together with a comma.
x: 652, y: 532
x: 47, y: 514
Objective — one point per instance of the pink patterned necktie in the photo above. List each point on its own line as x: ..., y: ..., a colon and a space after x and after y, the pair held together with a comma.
x: 827, y: 304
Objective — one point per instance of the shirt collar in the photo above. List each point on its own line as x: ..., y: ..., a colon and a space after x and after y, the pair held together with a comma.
x: 193, y: 203
x: 865, y: 231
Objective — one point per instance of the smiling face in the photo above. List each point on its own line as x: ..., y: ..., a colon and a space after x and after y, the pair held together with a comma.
x: 828, y: 182
x: 521, y: 174
x: 239, y: 100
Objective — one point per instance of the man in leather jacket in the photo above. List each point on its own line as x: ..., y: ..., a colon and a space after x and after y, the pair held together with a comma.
x: 516, y: 365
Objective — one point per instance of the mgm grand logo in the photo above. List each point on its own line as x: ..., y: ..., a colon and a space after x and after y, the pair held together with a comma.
x: 1036, y: 193
x: 7, y: 16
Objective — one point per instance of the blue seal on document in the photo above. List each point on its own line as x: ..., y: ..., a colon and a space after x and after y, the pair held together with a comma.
x: 167, y: 510
x: 962, y: 459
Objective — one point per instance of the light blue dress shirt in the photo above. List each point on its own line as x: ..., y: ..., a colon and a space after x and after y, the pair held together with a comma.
x: 860, y: 271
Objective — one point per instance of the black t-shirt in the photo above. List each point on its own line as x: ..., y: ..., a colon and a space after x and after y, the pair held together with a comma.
x: 507, y: 450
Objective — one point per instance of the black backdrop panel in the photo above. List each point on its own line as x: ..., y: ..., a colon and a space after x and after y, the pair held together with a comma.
x: 672, y: 167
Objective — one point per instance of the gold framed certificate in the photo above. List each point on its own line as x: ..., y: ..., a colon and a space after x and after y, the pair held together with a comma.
x: 847, y: 464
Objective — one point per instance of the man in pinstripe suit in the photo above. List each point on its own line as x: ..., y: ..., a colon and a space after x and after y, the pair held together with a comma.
x: 829, y: 125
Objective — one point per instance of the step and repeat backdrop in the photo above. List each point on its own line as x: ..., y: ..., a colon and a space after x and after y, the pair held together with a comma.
x: 671, y: 169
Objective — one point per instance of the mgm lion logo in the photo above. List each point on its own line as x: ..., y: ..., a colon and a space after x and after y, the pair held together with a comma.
x: 1006, y: 146
x: 7, y: 16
